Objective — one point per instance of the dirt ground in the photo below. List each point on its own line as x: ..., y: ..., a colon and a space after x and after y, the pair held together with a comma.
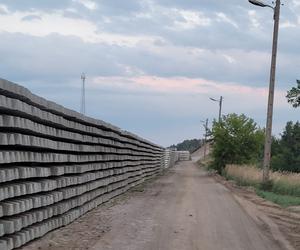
x: 283, y: 224
x: 184, y: 209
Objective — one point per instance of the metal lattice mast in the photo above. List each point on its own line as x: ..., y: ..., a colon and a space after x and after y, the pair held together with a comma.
x: 82, y: 107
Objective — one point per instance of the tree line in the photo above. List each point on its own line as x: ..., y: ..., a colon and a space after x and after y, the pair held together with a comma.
x: 188, y: 145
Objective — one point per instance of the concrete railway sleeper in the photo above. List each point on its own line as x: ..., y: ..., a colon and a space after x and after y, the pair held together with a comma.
x: 43, y: 185
x: 39, y: 171
x: 15, y: 91
x: 10, y: 123
x: 16, y: 205
x: 6, y: 90
x: 37, y: 157
x: 56, y: 164
x: 39, y: 229
x: 15, y: 223
x: 19, y: 108
x: 42, y: 144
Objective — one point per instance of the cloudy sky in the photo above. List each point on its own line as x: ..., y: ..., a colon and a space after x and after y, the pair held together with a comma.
x: 152, y: 65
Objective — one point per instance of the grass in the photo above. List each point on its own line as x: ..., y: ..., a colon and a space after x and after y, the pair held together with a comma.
x: 243, y: 175
x: 285, y: 188
x: 282, y: 200
x: 205, y: 163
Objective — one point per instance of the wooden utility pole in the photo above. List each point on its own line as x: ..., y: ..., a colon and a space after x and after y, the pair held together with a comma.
x: 268, y: 140
x: 205, y: 137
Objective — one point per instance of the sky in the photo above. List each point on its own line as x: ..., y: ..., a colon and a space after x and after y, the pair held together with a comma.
x: 151, y: 65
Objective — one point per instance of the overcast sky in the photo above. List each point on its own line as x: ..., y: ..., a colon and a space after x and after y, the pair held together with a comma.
x: 152, y: 65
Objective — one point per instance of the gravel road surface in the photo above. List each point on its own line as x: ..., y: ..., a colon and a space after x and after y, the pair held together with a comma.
x: 183, y: 210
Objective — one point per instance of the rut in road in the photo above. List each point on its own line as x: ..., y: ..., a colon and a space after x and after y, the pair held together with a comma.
x: 183, y: 210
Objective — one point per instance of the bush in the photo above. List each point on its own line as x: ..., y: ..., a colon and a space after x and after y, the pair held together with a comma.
x: 237, y: 140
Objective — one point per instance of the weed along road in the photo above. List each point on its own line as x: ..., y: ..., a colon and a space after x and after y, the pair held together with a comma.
x: 183, y: 210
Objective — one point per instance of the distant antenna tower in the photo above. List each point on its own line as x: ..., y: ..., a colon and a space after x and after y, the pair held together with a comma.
x: 82, y: 108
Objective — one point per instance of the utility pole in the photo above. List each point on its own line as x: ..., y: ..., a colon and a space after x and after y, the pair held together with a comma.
x: 268, y: 139
x: 268, y: 142
x: 220, y: 108
x: 205, y: 137
x: 82, y: 107
x: 220, y: 101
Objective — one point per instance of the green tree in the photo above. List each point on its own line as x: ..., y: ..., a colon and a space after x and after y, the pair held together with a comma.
x: 286, y: 153
x: 188, y: 145
x: 293, y: 95
x: 237, y: 140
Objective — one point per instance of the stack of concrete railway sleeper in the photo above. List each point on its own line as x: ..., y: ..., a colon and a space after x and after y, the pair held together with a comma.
x: 56, y: 164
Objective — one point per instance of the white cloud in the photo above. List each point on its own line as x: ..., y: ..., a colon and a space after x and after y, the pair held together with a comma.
x: 229, y: 58
x: 57, y: 23
x: 91, y: 5
x: 3, y: 9
x: 191, y: 19
x: 253, y: 19
x: 296, y: 3
x: 287, y: 24
x: 222, y: 17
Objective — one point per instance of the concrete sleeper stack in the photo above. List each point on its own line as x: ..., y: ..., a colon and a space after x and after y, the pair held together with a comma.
x: 56, y: 164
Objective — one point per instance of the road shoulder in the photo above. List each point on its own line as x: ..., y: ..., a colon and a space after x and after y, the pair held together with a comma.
x: 281, y: 224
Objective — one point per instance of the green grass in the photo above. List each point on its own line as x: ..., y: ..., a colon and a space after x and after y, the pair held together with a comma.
x: 282, y: 200
x: 278, y: 194
x: 284, y: 188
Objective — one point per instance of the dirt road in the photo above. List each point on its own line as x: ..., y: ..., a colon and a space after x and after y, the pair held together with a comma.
x: 184, y: 210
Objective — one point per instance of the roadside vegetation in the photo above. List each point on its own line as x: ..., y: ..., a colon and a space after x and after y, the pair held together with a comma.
x: 237, y: 140
x: 293, y: 95
x: 237, y: 154
x: 188, y: 145
x: 286, y: 150
x: 285, y: 189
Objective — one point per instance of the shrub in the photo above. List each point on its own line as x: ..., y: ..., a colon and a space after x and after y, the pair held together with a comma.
x: 237, y: 140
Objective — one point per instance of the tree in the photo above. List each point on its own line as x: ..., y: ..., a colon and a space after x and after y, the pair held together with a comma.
x: 286, y: 154
x: 188, y: 145
x: 293, y: 95
x: 237, y: 140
